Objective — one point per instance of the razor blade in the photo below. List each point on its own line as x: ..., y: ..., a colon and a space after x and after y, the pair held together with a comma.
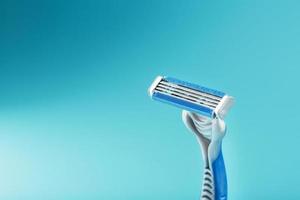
x: 191, y: 97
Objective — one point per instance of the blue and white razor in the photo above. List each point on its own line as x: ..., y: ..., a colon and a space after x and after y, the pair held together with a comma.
x: 203, y: 112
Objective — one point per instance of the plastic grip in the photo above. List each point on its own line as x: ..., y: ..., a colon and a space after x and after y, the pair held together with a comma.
x: 220, y: 179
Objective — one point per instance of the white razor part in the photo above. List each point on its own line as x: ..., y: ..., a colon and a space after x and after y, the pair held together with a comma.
x: 224, y: 106
x: 154, y: 84
x: 191, y: 97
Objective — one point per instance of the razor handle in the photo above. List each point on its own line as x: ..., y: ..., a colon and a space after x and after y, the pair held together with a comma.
x: 220, y: 178
x: 214, y: 180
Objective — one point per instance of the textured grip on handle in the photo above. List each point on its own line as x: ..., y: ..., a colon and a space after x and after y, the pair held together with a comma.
x: 215, y: 181
x: 208, y: 185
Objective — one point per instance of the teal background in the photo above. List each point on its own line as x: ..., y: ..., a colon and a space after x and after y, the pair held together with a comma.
x: 76, y: 121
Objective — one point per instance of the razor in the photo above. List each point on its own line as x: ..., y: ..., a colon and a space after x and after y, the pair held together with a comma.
x: 203, y: 112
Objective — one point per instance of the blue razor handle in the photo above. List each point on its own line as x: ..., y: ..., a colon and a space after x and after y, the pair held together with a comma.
x: 215, y: 158
x: 220, y: 178
x: 210, y: 134
x: 214, y: 181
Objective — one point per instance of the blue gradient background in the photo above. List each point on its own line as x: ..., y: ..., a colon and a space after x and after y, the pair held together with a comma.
x: 76, y: 121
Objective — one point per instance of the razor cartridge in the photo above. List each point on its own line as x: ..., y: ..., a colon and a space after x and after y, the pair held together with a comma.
x: 191, y: 97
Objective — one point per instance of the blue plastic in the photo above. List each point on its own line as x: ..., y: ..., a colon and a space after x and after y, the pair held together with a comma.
x: 195, y: 86
x: 220, y: 178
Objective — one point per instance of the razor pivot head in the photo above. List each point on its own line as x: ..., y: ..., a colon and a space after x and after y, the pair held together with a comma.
x: 191, y: 97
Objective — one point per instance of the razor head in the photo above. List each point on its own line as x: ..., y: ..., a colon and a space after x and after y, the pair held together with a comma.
x: 191, y: 97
